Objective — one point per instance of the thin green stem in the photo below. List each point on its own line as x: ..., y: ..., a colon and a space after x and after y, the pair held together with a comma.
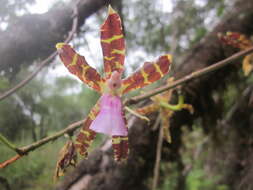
x: 176, y: 107
x: 6, y: 142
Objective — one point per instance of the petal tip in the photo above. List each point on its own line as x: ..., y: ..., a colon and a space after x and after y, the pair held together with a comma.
x: 169, y: 57
x: 228, y: 33
x: 59, y: 45
x: 111, y: 10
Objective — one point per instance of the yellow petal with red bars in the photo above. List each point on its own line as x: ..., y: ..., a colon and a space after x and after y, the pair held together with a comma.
x: 247, y: 64
x: 120, y: 147
x: 86, y: 135
x: 165, y: 124
x: 240, y: 41
x: 149, y: 73
x: 78, y: 66
x: 113, y: 43
x: 236, y: 40
x: 67, y: 157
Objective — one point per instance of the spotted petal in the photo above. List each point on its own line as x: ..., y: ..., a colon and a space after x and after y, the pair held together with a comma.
x: 67, y: 157
x: 78, y: 66
x: 236, y: 40
x: 148, y: 109
x: 86, y: 135
x: 240, y: 41
x: 113, y: 43
x: 120, y: 147
x: 149, y: 73
x: 247, y: 64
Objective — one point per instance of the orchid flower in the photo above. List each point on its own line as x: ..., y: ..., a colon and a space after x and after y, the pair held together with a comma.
x: 67, y: 157
x: 241, y: 42
x: 160, y: 104
x: 107, y: 116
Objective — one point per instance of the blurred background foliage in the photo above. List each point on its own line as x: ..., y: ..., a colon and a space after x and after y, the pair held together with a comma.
x: 55, y: 99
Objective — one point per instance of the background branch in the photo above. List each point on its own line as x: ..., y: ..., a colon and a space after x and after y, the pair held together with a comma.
x: 26, y: 149
x: 46, y: 61
x: 22, y: 42
x: 5, y: 141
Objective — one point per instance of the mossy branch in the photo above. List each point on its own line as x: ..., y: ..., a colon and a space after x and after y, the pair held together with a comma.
x: 6, y: 142
x: 26, y: 149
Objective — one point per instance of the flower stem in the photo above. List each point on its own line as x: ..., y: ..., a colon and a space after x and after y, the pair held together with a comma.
x: 176, y: 107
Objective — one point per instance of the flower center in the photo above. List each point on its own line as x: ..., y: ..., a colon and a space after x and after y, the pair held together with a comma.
x: 114, y: 83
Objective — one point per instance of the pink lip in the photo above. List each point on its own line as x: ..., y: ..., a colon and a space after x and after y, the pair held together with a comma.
x: 110, y: 120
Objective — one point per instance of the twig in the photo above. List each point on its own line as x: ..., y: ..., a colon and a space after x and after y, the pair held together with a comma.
x: 9, y: 161
x: 158, y: 158
x: 72, y: 127
x: 25, y: 150
x: 10, y: 145
x: 137, y: 114
x: 46, y: 61
x: 190, y: 77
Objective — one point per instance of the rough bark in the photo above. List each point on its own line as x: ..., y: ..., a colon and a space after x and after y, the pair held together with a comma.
x: 100, y: 171
x: 33, y: 37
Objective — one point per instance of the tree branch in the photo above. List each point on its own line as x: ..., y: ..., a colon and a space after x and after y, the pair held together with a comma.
x: 46, y: 61
x: 25, y: 150
x: 10, y: 161
x: 191, y: 76
x: 5, y: 141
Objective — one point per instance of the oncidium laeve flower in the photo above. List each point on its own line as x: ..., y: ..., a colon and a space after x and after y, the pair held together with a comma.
x: 239, y: 41
x: 67, y: 157
x: 160, y: 104
x: 107, y: 116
